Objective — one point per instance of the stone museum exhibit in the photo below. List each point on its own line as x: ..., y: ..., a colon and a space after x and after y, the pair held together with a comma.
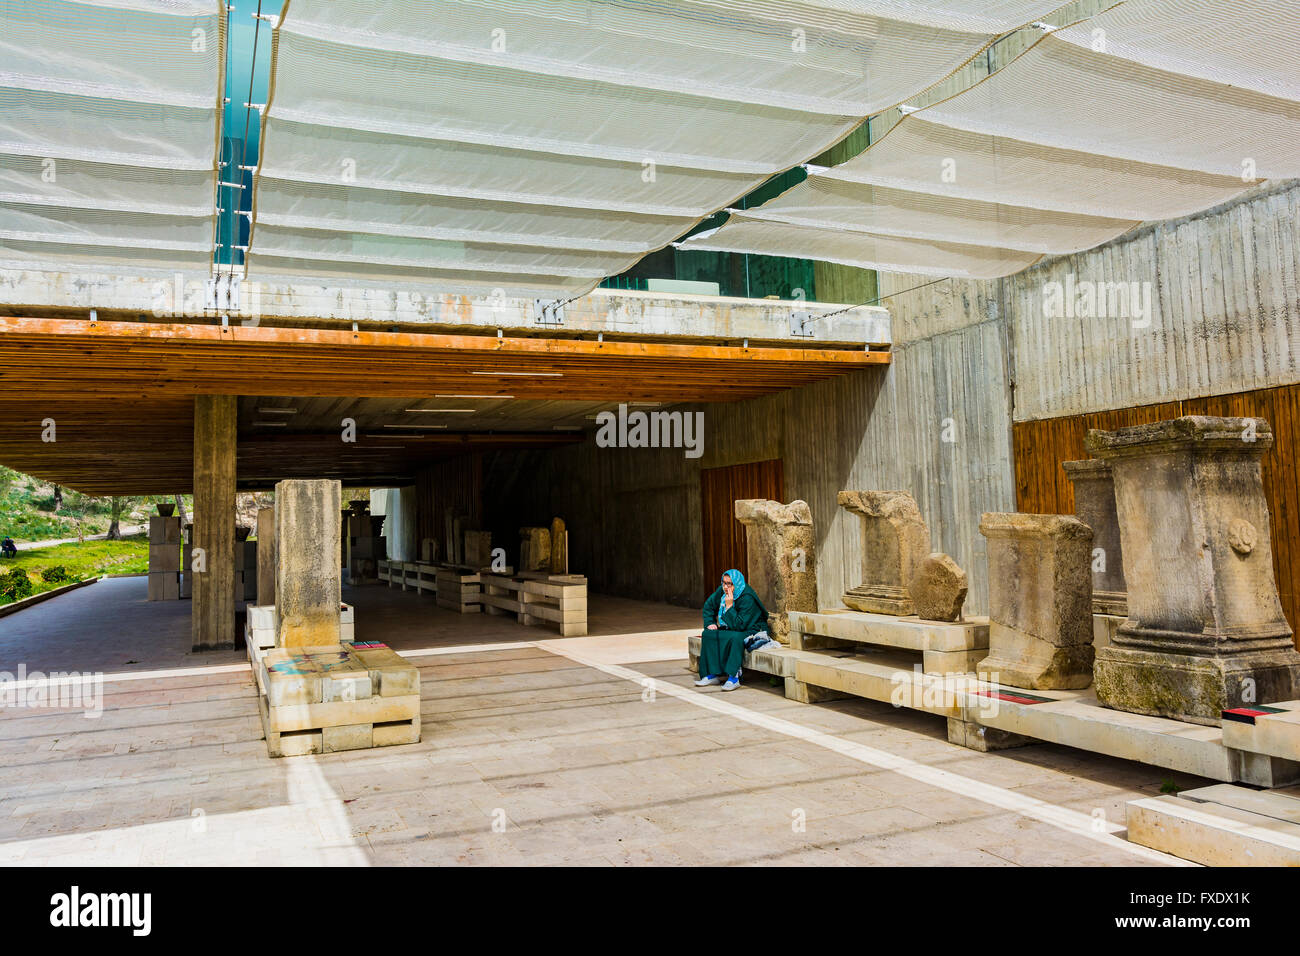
x: 650, y: 433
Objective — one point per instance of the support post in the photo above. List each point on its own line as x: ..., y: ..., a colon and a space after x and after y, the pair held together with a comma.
x: 212, y: 617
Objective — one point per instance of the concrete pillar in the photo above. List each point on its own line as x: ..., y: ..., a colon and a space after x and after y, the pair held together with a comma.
x: 265, y: 556
x: 212, y: 617
x: 307, y: 588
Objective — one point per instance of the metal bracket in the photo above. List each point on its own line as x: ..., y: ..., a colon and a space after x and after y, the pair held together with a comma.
x: 221, y: 293
x: 800, y: 327
x: 548, y: 313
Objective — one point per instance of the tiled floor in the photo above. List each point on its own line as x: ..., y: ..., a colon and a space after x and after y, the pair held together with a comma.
x: 586, y: 751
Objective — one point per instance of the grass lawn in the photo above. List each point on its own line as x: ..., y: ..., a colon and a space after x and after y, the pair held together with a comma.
x: 86, y: 560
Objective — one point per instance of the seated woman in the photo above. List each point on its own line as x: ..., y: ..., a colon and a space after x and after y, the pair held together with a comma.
x: 732, y: 613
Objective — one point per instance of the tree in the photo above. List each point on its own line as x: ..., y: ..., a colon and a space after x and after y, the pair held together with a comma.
x: 119, y: 504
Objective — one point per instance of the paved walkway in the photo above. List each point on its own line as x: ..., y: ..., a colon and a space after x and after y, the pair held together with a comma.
x: 536, y: 750
x: 52, y: 542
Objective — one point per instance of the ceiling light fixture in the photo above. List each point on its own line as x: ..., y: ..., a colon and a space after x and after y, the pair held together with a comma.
x: 447, y: 411
x: 278, y: 411
x: 530, y: 374
x: 473, y: 396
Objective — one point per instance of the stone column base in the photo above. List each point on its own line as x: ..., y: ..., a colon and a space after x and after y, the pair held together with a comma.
x: 1017, y: 659
x: 1191, y: 688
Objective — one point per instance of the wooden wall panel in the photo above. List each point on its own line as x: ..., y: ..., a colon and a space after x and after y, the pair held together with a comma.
x: 454, y: 483
x: 723, y: 537
x: 1042, y: 488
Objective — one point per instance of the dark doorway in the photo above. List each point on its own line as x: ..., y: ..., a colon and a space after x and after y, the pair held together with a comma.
x: 724, y: 536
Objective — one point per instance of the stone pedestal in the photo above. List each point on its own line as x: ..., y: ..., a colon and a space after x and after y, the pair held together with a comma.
x: 307, y: 592
x: 1040, y: 601
x: 478, y: 549
x: 1094, y: 505
x: 1205, y: 630
x: 534, y: 549
x: 895, y: 540
x: 780, y: 549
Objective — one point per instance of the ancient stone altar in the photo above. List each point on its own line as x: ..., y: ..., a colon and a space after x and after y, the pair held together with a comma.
x: 780, y: 551
x: 895, y: 540
x: 1094, y: 505
x: 1040, y: 601
x: 1205, y: 630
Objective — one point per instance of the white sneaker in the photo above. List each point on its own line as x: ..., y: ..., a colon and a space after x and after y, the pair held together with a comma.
x: 731, y: 684
x: 708, y: 681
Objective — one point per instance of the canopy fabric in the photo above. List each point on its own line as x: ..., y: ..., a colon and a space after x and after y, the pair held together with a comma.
x: 597, y: 130
x: 1146, y: 111
x: 1070, y: 97
x: 108, y: 131
x: 741, y: 233
x: 923, y: 155
x: 828, y: 203
x: 1245, y: 43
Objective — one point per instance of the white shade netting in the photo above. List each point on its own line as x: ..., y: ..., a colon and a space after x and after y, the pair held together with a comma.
x: 419, y: 279
x: 349, y: 208
x: 635, y: 111
x: 866, y: 251
x: 825, y: 203
x: 47, y: 256
x: 405, y: 251
x: 1252, y: 44
x: 304, y: 153
x: 70, y: 182
x: 926, y: 156
x: 108, y: 131
x: 831, y: 58
x: 1071, y: 97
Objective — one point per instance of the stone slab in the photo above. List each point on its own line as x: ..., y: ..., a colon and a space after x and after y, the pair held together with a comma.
x: 346, y: 737
x: 397, y: 732
x: 884, y: 630
x: 1212, y: 834
x: 1274, y: 734
x: 773, y: 660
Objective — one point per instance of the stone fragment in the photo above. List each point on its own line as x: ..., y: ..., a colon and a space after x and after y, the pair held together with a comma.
x: 938, y: 589
x: 1094, y: 505
x: 559, y: 563
x: 1040, y: 601
x: 1205, y: 630
x: 895, y: 540
x: 478, y: 549
x: 780, y: 550
x: 534, y: 549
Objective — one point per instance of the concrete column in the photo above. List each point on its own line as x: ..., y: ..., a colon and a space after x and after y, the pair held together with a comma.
x: 265, y: 556
x: 212, y: 617
x: 307, y: 588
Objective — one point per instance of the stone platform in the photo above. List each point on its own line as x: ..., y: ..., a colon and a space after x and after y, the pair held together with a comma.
x: 1272, y: 729
x: 1221, y: 825
x: 945, y: 648
x: 984, y: 716
x: 335, y: 697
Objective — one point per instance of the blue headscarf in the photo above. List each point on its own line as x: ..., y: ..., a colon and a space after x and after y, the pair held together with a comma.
x: 737, y: 585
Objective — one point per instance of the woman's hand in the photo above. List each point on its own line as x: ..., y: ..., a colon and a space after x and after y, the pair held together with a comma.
x: 712, y: 627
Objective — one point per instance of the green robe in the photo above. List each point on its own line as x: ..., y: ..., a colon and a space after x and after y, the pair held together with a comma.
x: 723, y: 651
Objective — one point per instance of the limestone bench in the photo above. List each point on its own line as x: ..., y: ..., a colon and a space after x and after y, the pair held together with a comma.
x: 772, y: 659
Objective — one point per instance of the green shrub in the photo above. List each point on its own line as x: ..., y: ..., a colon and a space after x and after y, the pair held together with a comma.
x: 15, y: 585
x: 56, y: 574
